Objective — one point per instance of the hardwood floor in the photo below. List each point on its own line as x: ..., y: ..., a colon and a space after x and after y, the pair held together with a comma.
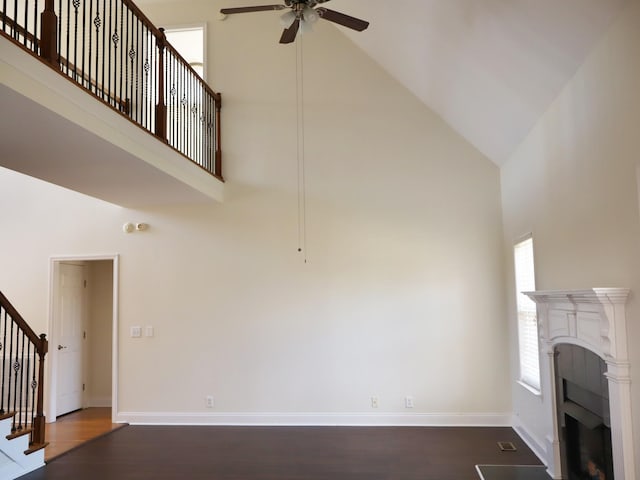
x: 287, y: 453
x: 74, y: 429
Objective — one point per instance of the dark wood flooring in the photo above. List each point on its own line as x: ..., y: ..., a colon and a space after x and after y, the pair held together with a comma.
x: 287, y: 453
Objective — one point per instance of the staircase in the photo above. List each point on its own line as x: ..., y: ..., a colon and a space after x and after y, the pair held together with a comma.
x: 22, y: 422
x: 17, y: 458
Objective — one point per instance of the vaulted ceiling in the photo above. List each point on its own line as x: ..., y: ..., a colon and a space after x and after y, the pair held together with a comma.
x: 489, y: 68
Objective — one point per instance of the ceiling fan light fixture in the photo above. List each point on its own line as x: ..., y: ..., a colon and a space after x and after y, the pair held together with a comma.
x: 310, y: 15
x: 306, y: 27
x: 287, y: 19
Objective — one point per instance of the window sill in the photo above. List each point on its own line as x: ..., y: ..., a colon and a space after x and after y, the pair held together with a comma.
x: 537, y: 392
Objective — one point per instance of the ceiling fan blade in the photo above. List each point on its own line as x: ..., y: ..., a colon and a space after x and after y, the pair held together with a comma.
x: 259, y: 8
x: 342, y: 19
x: 289, y: 34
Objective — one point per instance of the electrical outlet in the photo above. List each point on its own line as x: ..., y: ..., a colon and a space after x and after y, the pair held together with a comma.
x: 209, y: 401
x: 374, y: 402
x: 408, y: 402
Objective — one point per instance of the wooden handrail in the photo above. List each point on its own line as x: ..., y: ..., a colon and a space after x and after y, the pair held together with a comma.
x: 22, y: 324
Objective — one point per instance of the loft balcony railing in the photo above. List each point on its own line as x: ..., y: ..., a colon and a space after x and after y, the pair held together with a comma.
x: 111, y: 49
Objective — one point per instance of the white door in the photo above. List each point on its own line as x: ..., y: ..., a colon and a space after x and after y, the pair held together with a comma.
x: 69, y: 334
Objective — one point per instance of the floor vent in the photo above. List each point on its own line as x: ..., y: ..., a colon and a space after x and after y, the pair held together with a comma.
x: 507, y: 446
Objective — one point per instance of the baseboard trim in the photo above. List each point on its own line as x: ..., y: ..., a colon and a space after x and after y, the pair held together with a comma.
x: 532, y: 442
x: 317, y: 419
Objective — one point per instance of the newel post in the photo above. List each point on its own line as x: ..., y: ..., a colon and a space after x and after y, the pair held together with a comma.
x: 161, y: 108
x: 218, y: 166
x: 49, y: 33
x: 39, y: 420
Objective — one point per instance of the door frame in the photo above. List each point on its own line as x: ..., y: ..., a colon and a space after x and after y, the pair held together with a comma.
x: 52, y: 364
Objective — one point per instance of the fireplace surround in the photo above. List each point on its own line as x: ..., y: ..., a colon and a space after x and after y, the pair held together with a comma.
x: 593, y: 319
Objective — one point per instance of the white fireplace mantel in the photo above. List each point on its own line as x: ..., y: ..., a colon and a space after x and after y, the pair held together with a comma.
x: 596, y: 320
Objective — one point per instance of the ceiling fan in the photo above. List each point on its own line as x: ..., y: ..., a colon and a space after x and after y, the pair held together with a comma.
x: 301, y: 14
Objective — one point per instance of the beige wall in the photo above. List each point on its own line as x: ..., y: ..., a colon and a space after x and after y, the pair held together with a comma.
x: 402, y: 293
x: 573, y: 184
x: 99, y: 332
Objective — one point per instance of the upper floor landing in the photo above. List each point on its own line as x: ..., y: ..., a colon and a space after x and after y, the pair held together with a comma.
x: 135, y: 130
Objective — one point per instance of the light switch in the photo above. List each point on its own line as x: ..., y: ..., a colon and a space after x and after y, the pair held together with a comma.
x: 148, y: 331
x: 136, y: 332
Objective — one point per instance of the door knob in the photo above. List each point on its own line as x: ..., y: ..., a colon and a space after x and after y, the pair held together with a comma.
x: 60, y: 347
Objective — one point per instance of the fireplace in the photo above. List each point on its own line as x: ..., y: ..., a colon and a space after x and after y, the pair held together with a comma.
x: 586, y: 377
x: 583, y: 414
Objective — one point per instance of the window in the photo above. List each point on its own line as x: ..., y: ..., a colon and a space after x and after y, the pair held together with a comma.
x: 189, y: 42
x: 527, y: 315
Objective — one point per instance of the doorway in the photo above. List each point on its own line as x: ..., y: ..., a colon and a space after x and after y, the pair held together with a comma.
x: 82, y: 335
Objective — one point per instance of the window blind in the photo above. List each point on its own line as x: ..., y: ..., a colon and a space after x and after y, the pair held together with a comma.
x: 527, y: 315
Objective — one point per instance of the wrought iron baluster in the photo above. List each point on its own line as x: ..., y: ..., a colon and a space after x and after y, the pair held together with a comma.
x: 35, y: 46
x: 137, y: 70
x: 83, y: 71
x: 76, y: 4
x: 178, y: 113
x: 3, y: 350
x: 21, y: 404
x: 87, y: 73
x: 97, y: 23
x: 187, y: 107
x: 34, y: 386
x: 15, y: 368
x: 145, y: 79
x: 111, y: 40
x: 66, y: 53
x: 174, y: 102
x: 218, y: 137
x: 183, y: 104
x: 122, y: 49
x: 13, y: 423
x: 14, y: 30
x: 187, y: 119
x: 132, y: 56
x: 27, y: 410
x: 125, y: 51
x: 192, y: 117
x: 104, y: 29
x: 205, y: 131
x: 26, y: 22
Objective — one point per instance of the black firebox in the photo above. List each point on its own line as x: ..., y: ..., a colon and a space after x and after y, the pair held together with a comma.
x: 583, y: 414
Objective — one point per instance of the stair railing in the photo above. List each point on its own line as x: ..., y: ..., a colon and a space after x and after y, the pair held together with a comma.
x: 113, y: 51
x: 22, y: 373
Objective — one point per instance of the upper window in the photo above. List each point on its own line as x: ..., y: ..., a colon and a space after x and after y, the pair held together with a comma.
x: 189, y: 42
x: 527, y: 316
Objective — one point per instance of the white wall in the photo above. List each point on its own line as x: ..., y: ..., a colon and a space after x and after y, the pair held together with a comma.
x: 573, y: 185
x: 402, y: 293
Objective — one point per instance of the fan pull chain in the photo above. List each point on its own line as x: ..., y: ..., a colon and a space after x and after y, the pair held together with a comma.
x: 300, y: 135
